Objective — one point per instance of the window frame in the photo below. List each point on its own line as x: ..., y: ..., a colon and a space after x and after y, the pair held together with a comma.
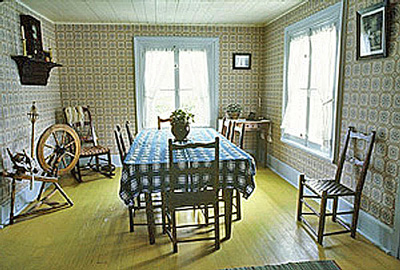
x: 141, y: 44
x: 331, y: 14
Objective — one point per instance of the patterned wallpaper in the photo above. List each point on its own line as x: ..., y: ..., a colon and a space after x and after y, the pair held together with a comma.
x: 371, y: 101
x: 99, y: 69
x: 16, y: 99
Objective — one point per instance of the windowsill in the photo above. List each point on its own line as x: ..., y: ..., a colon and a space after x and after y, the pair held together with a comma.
x: 313, y: 152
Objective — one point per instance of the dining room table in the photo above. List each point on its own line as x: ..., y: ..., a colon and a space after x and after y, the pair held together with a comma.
x: 146, y: 169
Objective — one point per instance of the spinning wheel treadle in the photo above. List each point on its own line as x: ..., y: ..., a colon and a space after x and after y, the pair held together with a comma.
x: 58, y: 145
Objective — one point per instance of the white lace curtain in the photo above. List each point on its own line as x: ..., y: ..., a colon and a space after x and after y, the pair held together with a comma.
x: 311, y: 72
x: 162, y: 94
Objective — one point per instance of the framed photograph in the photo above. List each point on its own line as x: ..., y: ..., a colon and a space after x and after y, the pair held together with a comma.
x: 241, y: 61
x: 371, y: 31
x: 32, y: 32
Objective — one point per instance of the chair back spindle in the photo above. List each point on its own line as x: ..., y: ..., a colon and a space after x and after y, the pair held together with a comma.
x: 128, y: 131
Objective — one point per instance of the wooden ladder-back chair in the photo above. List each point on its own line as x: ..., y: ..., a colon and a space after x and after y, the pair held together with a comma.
x: 160, y: 120
x: 187, y: 191
x: 226, y: 130
x: 140, y: 202
x: 128, y: 131
x: 236, y: 200
x: 90, y: 148
x: 333, y: 189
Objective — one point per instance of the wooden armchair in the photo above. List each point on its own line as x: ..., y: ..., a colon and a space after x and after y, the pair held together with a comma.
x: 80, y: 119
x: 333, y: 189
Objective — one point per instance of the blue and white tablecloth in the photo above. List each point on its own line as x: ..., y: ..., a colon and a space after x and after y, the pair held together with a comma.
x: 146, y: 169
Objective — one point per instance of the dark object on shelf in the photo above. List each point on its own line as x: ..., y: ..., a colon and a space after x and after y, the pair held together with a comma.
x: 33, y: 71
x: 32, y: 32
x: 251, y: 116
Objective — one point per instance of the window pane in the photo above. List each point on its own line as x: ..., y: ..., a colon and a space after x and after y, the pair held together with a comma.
x: 193, y: 81
x: 159, y: 99
x: 322, y: 84
x: 294, y: 120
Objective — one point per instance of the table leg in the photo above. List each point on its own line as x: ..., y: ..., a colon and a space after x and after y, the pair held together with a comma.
x: 227, y: 194
x: 150, y: 219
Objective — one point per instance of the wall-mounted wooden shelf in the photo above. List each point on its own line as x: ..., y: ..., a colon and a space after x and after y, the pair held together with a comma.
x: 33, y: 71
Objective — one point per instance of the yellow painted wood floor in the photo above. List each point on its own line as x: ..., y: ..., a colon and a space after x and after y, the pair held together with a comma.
x: 94, y: 234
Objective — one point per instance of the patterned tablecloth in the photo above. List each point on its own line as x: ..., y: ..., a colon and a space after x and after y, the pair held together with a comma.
x: 146, y: 169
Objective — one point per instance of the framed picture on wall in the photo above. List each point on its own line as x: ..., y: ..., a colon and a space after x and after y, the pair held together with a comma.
x: 371, y: 31
x: 241, y: 61
x: 32, y: 32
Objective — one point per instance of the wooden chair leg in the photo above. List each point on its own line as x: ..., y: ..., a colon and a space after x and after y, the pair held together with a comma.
x: 163, y: 213
x: 216, y: 224
x: 174, y: 233
x: 334, y: 208
x: 131, y: 224
x: 238, y: 205
x: 150, y: 219
x: 78, y: 172
x: 206, y: 215
x: 322, y: 214
x: 96, y: 158
x: 354, y: 222
x: 300, y: 197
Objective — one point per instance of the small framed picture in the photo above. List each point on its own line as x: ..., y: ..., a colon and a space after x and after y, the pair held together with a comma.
x: 371, y: 31
x: 241, y: 61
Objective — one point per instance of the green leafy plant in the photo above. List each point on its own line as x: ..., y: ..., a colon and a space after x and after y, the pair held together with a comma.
x: 233, y: 108
x: 181, y: 116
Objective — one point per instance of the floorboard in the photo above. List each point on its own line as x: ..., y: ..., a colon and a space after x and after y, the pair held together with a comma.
x: 94, y: 234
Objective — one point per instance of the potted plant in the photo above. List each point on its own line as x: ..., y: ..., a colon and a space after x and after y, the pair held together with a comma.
x: 233, y: 110
x: 180, y: 123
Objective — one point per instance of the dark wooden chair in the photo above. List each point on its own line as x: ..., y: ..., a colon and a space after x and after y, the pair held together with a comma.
x: 184, y: 196
x: 333, y: 189
x: 226, y: 130
x: 160, y: 120
x: 140, y: 200
x: 90, y: 148
x: 128, y: 131
x: 237, y: 130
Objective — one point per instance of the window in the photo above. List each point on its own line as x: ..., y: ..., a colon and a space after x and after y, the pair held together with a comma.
x: 310, y: 82
x: 176, y: 73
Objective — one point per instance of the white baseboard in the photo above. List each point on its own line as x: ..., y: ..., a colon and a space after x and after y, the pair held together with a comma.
x: 375, y: 231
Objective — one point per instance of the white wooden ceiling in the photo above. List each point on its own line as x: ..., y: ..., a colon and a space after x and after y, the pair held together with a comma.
x: 256, y: 12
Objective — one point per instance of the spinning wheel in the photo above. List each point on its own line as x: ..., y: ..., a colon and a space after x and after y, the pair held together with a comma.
x: 58, y: 149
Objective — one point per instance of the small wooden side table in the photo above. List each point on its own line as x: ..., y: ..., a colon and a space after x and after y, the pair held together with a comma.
x: 264, y: 135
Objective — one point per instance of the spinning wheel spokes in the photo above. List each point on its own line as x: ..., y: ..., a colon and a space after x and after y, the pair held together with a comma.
x: 59, y: 144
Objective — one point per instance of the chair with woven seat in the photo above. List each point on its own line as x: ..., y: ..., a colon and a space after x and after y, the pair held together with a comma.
x: 188, y: 189
x: 333, y: 189
x: 161, y: 120
x: 236, y: 200
x: 80, y: 119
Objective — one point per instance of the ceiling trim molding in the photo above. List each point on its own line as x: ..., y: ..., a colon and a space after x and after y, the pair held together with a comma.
x: 162, y: 24
x: 284, y: 14
x: 34, y: 11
